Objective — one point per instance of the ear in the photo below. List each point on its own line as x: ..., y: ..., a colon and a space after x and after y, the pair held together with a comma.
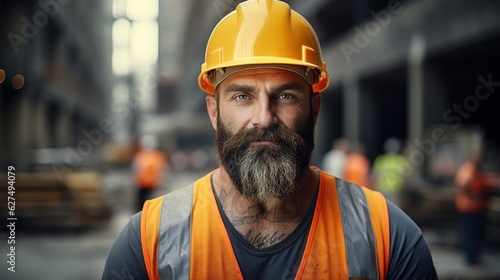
x: 212, y: 109
x: 316, y: 105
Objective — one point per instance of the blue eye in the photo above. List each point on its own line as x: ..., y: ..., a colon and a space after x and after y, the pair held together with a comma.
x: 285, y: 96
x: 241, y: 97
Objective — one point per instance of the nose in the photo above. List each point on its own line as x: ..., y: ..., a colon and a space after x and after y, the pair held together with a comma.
x: 263, y: 114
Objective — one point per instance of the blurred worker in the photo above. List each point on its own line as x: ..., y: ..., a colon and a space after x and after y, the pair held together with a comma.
x: 265, y: 213
x: 357, y: 166
x: 334, y: 160
x: 471, y: 202
x: 388, y: 170
x: 149, y: 165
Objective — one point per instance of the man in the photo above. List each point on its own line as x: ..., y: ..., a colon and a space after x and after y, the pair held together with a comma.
x: 388, y: 170
x: 334, y: 160
x: 149, y: 165
x: 265, y: 213
x: 471, y: 202
x: 357, y: 166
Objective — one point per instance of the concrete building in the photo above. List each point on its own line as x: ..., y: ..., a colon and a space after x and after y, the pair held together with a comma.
x: 55, y: 59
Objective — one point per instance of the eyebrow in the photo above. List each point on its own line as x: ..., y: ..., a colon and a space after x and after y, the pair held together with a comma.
x: 239, y: 87
x: 285, y: 87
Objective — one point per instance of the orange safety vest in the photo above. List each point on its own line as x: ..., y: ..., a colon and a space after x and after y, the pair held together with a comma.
x: 472, y: 197
x: 349, y: 237
x: 149, y: 167
x: 357, y: 169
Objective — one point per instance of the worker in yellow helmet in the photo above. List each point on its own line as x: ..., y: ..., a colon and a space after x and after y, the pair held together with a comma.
x: 265, y: 213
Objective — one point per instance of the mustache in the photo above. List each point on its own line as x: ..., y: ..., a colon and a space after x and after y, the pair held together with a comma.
x: 274, y: 133
x: 271, y: 134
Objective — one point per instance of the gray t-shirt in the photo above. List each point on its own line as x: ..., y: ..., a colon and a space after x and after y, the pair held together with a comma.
x: 280, y: 261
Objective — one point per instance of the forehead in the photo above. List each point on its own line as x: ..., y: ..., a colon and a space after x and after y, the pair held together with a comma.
x: 264, y: 76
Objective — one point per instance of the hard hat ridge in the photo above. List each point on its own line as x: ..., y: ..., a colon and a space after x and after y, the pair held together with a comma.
x: 265, y: 3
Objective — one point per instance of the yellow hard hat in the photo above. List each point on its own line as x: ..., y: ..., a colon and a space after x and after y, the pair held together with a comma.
x: 262, y: 33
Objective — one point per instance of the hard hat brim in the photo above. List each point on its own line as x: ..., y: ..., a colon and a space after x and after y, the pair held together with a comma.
x: 206, y: 83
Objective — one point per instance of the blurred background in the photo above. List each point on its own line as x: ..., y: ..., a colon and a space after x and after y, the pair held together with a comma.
x: 82, y: 82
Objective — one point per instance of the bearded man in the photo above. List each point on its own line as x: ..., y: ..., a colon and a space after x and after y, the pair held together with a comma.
x: 265, y: 213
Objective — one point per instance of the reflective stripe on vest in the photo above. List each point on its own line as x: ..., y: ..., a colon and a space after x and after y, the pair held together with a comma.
x: 194, y: 244
x: 360, y: 248
x: 174, y: 223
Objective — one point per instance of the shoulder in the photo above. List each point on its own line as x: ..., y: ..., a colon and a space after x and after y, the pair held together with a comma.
x: 125, y: 259
x: 410, y: 257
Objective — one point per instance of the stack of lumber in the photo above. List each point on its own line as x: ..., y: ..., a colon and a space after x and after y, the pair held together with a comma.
x: 45, y: 201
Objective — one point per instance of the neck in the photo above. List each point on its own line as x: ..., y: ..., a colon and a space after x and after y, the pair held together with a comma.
x: 273, y: 217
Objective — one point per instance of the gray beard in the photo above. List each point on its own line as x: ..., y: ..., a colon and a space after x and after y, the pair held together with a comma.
x: 267, y: 172
x: 264, y: 171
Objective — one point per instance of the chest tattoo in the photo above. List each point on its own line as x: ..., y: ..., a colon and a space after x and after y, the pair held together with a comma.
x: 260, y: 240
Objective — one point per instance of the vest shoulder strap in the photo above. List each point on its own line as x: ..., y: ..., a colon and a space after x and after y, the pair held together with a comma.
x: 365, y: 220
x: 167, y: 218
x: 380, y: 223
x: 150, y: 223
x: 359, y: 237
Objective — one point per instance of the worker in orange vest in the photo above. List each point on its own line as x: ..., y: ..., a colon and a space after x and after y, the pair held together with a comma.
x: 265, y: 213
x: 357, y: 166
x: 472, y: 203
x: 149, y: 166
